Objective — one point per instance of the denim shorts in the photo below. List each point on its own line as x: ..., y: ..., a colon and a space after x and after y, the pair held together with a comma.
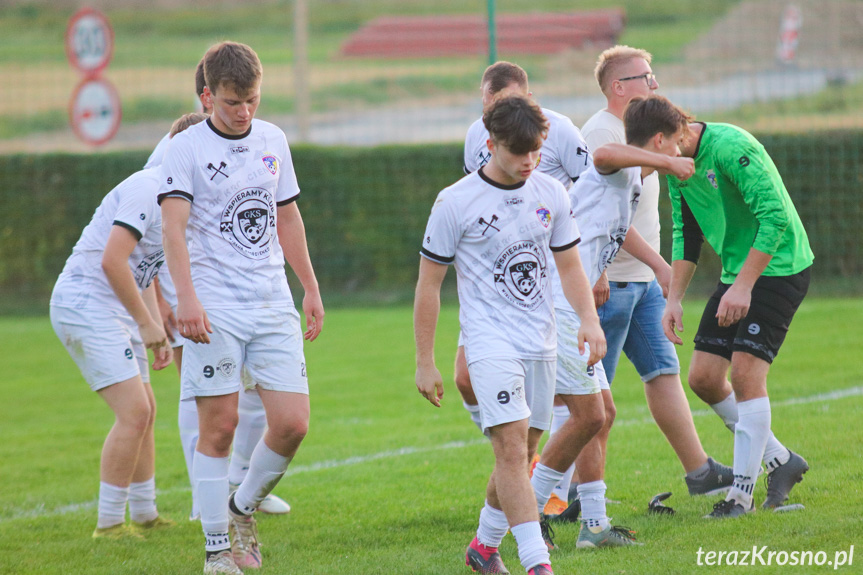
x: 632, y: 321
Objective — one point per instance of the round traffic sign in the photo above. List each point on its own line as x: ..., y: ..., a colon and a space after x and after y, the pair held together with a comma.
x: 94, y: 111
x: 89, y: 41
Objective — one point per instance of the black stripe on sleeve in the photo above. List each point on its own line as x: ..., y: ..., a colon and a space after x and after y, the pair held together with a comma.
x: 288, y: 201
x: 693, y: 237
x: 133, y: 229
x: 566, y: 247
x: 436, y: 258
x: 175, y: 194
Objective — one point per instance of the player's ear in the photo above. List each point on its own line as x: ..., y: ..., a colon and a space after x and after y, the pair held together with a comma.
x: 490, y: 145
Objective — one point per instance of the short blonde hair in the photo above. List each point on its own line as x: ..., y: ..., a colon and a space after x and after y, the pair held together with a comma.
x: 611, y: 60
x: 185, y: 121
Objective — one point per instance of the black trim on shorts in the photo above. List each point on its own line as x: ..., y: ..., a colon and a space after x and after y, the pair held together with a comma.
x: 566, y: 247
x: 491, y: 182
x: 288, y: 201
x: 436, y: 258
x: 135, y: 231
x: 175, y: 194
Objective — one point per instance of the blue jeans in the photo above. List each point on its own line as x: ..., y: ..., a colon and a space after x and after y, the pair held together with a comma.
x: 632, y: 321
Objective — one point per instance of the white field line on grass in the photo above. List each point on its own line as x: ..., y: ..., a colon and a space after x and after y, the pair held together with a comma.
x: 40, y: 511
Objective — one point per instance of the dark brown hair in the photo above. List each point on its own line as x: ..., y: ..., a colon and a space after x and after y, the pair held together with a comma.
x: 646, y: 117
x: 501, y: 74
x: 516, y: 123
x: 232, y: 65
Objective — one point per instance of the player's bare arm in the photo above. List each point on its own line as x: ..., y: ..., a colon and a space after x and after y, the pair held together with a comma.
x: 292, y: 238
x: 613, y: 157
x: 426, y: 312
x: 169, y: 322
x: 734, y: 305
x: 635, y: 244
x: 578, y: 293
x: 672, y: 318
x: 601, y: 290
x: 191, y: 318
x: 163, y: 354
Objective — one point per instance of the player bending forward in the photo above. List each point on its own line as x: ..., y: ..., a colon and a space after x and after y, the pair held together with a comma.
x: 506, y: 313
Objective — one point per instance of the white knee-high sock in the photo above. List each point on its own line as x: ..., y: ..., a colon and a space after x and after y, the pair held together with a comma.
x: 250, y: 428
x: 532, y: 550
x: 211, y: 486
x: 775, y: 454
x: 142, y: 501
x: 543, y: 481
x: 592, y: 497
x: 187, y: 420
x: 473, y: 410
x: 266, y: 468
x: 750, y: 438
x: 112, y: 505
x: 561, y: 416
x: 492, y: 526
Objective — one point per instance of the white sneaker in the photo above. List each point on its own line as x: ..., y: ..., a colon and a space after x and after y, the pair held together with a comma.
x: 274, y: 505
x: 221, y: 563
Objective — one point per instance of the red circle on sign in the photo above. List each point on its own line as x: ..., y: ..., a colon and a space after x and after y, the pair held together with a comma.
x: 95, y: 111
x: 89, y: 41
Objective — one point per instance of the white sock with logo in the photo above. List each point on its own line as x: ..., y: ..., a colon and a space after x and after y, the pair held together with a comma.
x: 592, y: 497
x: 211, y: 486
x: 750, y: 438
x: 775, y: 454
x: 250, y: 428
x: 266, y: 468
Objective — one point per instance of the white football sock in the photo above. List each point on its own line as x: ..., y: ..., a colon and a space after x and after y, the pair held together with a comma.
x: 592, y: 497
x: 532, y: 550
x: 775, y: 454
x: 112, y: 505
x: 473, y: 410
x: 250, y: 428
x: 543, y: 481
x: 492, y: 526
x: 561, y: 416
x: 187, y: 420
x: 750, y: 438
x: 266, y: 468
x: 211, y: 486
x: 142, y: 501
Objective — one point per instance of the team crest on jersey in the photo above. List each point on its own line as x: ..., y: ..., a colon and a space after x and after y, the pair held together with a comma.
x: 248, y: 221
x: 148, y: 268
x: 272, y: 163
x: 711, y: 177
x: 538, y: 160
x: 544, y: 216
x: 520, y: 274
x: 483, y: 158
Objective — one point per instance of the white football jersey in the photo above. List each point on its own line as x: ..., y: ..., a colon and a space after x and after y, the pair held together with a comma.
x: 158, y: 154
x: 604, y: 206
x: 603, y: 128
x: 235, y: 184
x: 166, y: 284
x: 132, y: 205
x: 499, y: 238
x: 564, y: 154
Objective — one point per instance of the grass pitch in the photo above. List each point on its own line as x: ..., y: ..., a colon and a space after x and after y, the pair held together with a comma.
x: 385, y: 483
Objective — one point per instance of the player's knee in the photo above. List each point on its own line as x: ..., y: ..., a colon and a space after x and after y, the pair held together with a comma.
x: 137, y: 419
x: 609, y: 415
x: 290, y: 430
x: 700, y: 382
x: 594, y: 422
x: 463, y: 384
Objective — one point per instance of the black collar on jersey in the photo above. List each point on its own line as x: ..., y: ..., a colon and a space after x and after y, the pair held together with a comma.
x: 491, y: 182
x: 700, y: 136
x: 228, y: 136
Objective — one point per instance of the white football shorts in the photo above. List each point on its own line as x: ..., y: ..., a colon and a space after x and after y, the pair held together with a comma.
x: 106, y: 346
x: 511, y: 390
x: 574, y: 377
x: 248, y: 347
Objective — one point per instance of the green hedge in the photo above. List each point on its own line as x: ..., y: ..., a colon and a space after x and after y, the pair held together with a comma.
x: 365, y: 210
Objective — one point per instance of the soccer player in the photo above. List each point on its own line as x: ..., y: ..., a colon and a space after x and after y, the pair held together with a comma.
x: 631, y: 299
x: 252, y: 419
x: 498, y: 225
x: 738, y: 202
x: 103, y: 309
x: 604, y: 201
x: 564, y: 156
x: 230, y: 216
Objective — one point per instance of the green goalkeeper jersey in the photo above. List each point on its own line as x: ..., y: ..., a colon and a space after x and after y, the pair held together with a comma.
x: 737, y: 201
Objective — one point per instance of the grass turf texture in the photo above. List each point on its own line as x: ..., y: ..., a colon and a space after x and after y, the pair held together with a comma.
x: 409, y: 501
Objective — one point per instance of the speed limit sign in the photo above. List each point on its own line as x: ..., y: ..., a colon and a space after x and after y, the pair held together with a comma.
x: 89, y: 41
x: 95, y: 111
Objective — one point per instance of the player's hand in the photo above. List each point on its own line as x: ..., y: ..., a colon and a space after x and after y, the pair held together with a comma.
x: 734, y: 305
x: 430, y: 384
x: 663, y: 278
x: 672, y: 321
x: 313, y: 309
x: 591, y: 333
x: 192, y: 320
x: 601, y: 291
x: 154, y: 338
x: 162, y: 357
x: 682, y: 168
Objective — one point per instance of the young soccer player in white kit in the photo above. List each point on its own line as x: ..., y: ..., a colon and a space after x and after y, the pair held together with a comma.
x: 228, y: 185
x: 500, y: 226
